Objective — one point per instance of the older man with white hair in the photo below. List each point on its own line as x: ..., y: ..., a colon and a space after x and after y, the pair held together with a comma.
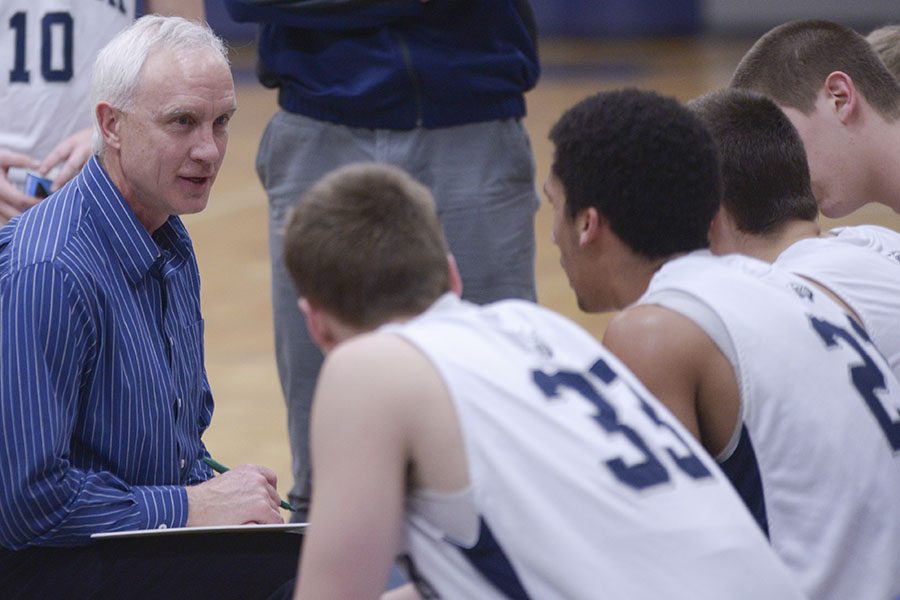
x: 103, y: 392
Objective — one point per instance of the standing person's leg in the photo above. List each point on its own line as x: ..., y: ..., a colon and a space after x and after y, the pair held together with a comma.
x: 294, y: 153
x: 482, y: 178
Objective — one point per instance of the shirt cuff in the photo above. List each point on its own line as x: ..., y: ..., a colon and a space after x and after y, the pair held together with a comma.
x: 161, y: 506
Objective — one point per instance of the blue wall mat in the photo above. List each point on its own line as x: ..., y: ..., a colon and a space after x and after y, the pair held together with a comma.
x: 617, y: 18
x: 218, y: 19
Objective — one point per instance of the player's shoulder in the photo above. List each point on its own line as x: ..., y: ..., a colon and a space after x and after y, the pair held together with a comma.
x: 650, y: 329
x: 871, y: 237
x: 371, y: 364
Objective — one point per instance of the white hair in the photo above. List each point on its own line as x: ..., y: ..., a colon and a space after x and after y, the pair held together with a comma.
x: 118, y: 66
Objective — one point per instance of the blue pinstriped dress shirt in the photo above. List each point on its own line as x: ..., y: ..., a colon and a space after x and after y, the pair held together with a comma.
x: 103, y: 393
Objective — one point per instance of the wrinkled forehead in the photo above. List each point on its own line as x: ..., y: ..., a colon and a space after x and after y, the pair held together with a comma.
x: 198, y: 78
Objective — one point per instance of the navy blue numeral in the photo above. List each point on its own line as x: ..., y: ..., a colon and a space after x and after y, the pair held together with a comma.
x: 640, y: 476
x: 62, y: 20
x: 866, y: 377
x: 19, y: 73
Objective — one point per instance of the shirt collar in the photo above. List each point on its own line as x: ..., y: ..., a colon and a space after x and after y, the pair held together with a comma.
x: 134, y: 248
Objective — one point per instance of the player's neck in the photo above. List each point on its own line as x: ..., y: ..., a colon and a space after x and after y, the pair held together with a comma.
x: 769, y: 247
x: 640, y: 272
x: 883, y: 184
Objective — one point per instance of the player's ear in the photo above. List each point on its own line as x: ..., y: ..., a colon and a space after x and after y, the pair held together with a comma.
x: 588, y: 224
x: 316, y: 325
x: 456, y: 283
x: 109, y: 120
x: 843, y: 97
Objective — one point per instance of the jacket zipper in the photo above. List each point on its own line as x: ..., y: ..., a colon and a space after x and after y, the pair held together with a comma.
x: 413, y: 78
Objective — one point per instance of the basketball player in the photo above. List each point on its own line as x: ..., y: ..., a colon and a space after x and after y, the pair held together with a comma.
x: 500, y: 449
x: 768, y: 211
x: 45, y: 71
x: 844, y: 103
x: 775, y: 380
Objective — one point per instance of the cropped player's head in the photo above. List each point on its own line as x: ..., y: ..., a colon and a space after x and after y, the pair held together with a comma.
x: 886, y: 43
x: 843, y: 101
x: 791, y: 63
x: 365, y: 245
x: 765, y: 175
x: 634, y: 164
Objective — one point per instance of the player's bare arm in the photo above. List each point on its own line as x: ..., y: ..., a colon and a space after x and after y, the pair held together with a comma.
x: 361, y: 452
x: 681, y: 366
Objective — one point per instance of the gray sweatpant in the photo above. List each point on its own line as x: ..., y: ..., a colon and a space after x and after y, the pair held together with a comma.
x: 482, y: 178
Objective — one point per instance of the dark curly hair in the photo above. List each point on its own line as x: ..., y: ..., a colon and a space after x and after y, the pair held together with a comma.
x: 645, y: 163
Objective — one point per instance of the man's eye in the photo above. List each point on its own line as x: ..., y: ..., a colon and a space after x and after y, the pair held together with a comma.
x: 223, y: 120
x: 184, y: 120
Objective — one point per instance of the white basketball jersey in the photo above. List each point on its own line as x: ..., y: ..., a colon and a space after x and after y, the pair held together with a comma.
x: 817, y: 455
x: 584, y: 485
x: 864, y: 276
x: 880, y: 239
x: 47, y: 54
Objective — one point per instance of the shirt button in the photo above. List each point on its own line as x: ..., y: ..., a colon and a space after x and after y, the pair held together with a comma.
x: 183, y: 462
x: 178, y: 403
x: 171, y: 341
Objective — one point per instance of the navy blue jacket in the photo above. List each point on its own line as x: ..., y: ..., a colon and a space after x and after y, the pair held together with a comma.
x: 396, y: 64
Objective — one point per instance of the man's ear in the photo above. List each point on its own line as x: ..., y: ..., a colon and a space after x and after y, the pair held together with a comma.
x: 317, y: 325
x: 109, y: 119
x: 456, y: 283
x: 589, y: 225
x: 842, y: 95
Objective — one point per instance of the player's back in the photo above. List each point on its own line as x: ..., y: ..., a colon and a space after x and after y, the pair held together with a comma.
x: 582, y: 485
x: 861, y: 271
x: 816, y: 448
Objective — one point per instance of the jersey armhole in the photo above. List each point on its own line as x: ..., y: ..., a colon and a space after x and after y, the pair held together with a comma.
x: 706, y: 319
x: 451, y: 516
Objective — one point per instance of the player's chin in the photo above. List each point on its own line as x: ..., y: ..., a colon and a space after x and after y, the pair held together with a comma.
x: 832, y: 208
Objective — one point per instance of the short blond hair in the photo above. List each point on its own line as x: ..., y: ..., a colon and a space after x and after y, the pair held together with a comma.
x: 886, y: 43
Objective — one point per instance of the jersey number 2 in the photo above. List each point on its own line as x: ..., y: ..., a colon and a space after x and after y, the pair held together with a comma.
x: 61, y: 22
x: 642, y: 475
x: 866, y: 377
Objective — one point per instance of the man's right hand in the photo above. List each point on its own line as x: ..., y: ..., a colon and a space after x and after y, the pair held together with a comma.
x: 12, y: 200
x: 245, y: 494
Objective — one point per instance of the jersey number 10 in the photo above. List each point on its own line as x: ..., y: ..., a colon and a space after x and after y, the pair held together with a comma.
x: 60, y: 22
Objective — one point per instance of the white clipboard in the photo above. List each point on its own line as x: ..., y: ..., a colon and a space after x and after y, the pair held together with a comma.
x: 269, y: 528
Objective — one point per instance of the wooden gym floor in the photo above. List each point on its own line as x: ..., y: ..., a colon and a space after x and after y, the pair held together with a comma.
x: 230, y: 236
